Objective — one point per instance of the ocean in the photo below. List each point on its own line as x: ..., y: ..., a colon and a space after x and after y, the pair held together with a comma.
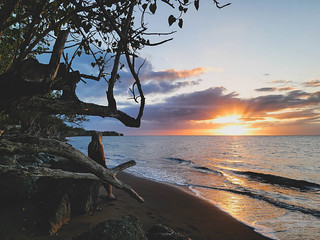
x: 271, y: 183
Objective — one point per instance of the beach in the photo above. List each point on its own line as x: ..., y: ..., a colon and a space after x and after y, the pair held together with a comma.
x: 164, y: 204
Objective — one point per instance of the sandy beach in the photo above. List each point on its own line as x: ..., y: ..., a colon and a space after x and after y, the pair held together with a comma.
x: 163, y: 204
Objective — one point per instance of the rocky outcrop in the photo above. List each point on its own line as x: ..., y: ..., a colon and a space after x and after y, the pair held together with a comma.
x: 126, y: 228
x: 129, y: 228
x: 14, y: 188
x: 56, y: 212
x: 160, y: 232
x: 55, y: 199
x: 83, y: 194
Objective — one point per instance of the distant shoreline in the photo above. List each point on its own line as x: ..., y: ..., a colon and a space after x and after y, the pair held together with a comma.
x: 77, y: 132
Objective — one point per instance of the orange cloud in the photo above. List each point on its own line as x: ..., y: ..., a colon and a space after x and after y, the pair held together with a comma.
x: 312, y: 83
x: 286, y: 89
x: 172, y: 74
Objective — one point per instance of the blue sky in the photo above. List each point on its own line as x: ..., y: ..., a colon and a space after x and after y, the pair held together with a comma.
x: 256, y: 62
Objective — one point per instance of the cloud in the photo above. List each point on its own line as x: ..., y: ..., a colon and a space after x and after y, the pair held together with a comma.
x: 287, y: 106
x: 293, y: 99
x: 211, y: 103
x: 199, y: 105
x: 281, y: 81
x: 295, y: 109
x: 266, y: 89
x: 309, y: 113
x: 172, y: 74
x: 153, y: 82
x: 166, y: 87
x: 312, y: 83
x: 273, y: 89
x: 286, y: 89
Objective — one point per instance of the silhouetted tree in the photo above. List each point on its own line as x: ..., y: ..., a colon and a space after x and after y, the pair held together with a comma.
x: 106, y: 30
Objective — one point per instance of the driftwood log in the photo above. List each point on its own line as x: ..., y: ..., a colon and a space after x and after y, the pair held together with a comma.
x: 23, y: 144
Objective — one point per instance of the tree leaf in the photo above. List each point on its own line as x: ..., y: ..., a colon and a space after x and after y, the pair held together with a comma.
x: 171, y: 20
x: 153, y: 8
x: 180, y: 23
x: 196, y: 4
x: 144, y: 6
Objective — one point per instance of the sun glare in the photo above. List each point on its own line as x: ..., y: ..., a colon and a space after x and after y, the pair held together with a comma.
x: 228, y: 125
x: 233, y: 130
x: 231, y: 125
x: 227, y: 119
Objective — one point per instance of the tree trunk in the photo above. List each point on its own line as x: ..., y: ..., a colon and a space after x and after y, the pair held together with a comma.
x: 23, y: 144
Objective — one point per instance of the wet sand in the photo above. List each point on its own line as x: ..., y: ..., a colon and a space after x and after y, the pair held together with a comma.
x: 163, y: 204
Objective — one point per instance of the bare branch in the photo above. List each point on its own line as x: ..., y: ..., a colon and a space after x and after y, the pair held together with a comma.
x: 33, y: 145
x: 218, y: 4
x: 56, y: 55
x: 158, y: 43
x: 168, y: 2
x: 144, y: 61
x: 122, y: 167
x: 159, y: 34
x: 44, y: 172
x: 90, y: 77
x: 61, y: 106
x: 137, y: 80
x: 112, y: 80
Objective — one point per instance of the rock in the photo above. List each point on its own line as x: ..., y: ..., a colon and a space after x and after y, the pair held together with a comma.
x: 126, y: 228
x: 83, y: 193
x: 28, y: 160
x: 6, y: 160
x: 14, y: 189
x: 46, y: 157
x: 83, y: 196
x: 57, y: 213
x: 160, y: 232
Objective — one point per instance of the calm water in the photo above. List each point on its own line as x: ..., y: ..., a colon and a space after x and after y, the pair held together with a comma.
x: 269, y: 182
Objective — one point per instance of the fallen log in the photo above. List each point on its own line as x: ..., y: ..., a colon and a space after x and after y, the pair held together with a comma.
x: 25, y: 144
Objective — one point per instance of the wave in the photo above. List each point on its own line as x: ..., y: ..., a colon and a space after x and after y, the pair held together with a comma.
x: 208, y: 170
x: 179, y: 160
x: 277, y: 203
x: 281, y: 181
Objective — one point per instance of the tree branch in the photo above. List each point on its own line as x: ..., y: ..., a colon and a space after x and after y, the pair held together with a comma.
x: 44, y: 172
x: 218, y: 4
x: 112, y: 80
x: 61, y: 106
x: 5, y: 13
x: 137, y: 80
x: 56, y: 54
x: 31, y: 145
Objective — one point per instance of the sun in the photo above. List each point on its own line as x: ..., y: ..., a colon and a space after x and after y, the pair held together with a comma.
x: 233, y: 130
x: 231, y: 125
x: 227, y: 119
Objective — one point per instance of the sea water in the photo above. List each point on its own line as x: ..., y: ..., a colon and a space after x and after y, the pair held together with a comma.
x: 271, y: 183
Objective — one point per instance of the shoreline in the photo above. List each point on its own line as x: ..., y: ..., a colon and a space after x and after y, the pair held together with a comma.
x: 164, y: 204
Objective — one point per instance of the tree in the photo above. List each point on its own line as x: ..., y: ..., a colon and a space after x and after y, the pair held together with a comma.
x: 105, y: 30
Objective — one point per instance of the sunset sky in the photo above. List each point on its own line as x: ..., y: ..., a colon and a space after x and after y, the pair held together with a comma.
x: 250, y: 68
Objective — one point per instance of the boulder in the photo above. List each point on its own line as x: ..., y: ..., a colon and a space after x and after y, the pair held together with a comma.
x: 161, y: 232
x: 83, y: 193
x: 56, y: 212
x: 126, y: 228
x: 14, y: 189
